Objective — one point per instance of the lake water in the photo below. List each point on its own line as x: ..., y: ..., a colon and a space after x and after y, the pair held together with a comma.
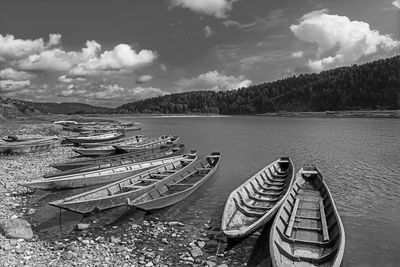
x: 360, y: 160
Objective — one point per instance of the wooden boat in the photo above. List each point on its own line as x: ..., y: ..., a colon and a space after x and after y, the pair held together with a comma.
x: 256, y: 201
x: 107, y: 150
x: 133, y: 139
x: 145, y: 145
x: 64, y: 123
x: 307, y: 230
x: 30, y: 146
x: 153, y: 153
x: 95, y: 138
x: 102, y: 176
x: 136, y: 127
x: 119, y: 193
x: 14, y: 138
x: 178, y: 186
x: 103, y: 164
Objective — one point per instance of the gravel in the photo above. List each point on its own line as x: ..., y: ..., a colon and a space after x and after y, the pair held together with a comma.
x: 130, y: 242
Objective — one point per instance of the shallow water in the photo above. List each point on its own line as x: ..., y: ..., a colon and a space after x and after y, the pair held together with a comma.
x: 358, y: 157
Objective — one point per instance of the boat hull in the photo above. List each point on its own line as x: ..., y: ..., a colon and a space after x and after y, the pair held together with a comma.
x: 122, y: 161
x: 114, y: 195
x: 255, y: 202
x: 169, y: 200
x: 144, y: 155
x: 307, y: 230
x: 107, y: 175
x: 94, y: 139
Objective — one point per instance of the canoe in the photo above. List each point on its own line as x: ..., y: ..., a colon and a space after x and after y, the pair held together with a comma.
x: 145, y: 145
x: 102, y: 176
x: 95, y: 138
x: 153, y: 153
x: 119, y: 193
x: 30, y: 146
x: 103, y: 164
x: 256, y: 201
x: 137, y: 138
x: 178, y: 186
x: 136, y: 127
x: 64, y: 123
x: 307, y: 230
x: 13, y: 138
x: 107, y: 150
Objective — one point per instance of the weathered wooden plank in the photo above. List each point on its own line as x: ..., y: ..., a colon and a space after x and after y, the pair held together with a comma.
x: 323, y: 221
x: 292, y: 218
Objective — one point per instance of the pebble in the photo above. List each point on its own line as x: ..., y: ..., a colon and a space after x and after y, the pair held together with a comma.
x: 82, y: 226
x: 149, y: 245
x: 196, y: 252
x: 175, y: 224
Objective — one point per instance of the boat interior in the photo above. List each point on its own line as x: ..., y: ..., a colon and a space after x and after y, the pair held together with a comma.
x: 254, y: 199
x: 186, y: 179
x: 307, y: 229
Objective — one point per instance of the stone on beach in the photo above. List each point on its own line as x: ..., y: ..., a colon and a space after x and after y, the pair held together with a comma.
x: 16, y: 228
x: 82, y: 226
x: 196, y: 252
x: 175, y: 224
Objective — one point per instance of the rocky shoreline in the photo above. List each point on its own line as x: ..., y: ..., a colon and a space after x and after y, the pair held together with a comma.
x: 95, y: 241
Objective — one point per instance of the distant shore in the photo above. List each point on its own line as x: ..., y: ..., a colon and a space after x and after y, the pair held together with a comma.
x: 112, y: 117
x: 339, y: 114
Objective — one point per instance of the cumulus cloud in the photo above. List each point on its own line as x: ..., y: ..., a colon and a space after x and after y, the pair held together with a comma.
x: 38, y: 56
x: 66, y: 79
x: 144, y: 79
x: 59, y: 60
x: 122, y: 57
x: 208, y: 31
x: 110, y: 92
x: 235, y: 24
x: 396, y: 3
x: 11, y: 85
x: 297, y: 54
x: 214, y: 81
x: 12, y: 48
x: 340, y: 41
x: 216, y: 8
x: 15, y: 75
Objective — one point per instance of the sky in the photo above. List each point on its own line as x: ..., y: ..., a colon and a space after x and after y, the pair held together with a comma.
x: 110, y: 52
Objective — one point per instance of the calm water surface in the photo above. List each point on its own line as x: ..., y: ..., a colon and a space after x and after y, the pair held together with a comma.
x: 358, y: 157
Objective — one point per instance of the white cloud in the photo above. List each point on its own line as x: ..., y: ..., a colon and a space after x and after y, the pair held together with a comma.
x: 15, y: 75
x: 233, y: 23
x: 66, y: 79
x: 215, y: 81
x: 340, y: 41
x: 122, y: 57
x: 216, y: 8
x: 10, y: 85
x: 144, y: 79
x: 208, y: 31
x: 59, y: 60
x: 12, y: 48
x: 36, y: 55
x: 396, y: 3
x: 139, y: 93
x: 297, y: 54
x: 110, y: 92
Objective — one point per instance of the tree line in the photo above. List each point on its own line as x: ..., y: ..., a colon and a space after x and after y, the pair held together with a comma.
x: 374, y: 85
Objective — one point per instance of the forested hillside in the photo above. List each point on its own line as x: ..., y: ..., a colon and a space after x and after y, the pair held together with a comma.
x: 14, y: 107
x: 374, y: 85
